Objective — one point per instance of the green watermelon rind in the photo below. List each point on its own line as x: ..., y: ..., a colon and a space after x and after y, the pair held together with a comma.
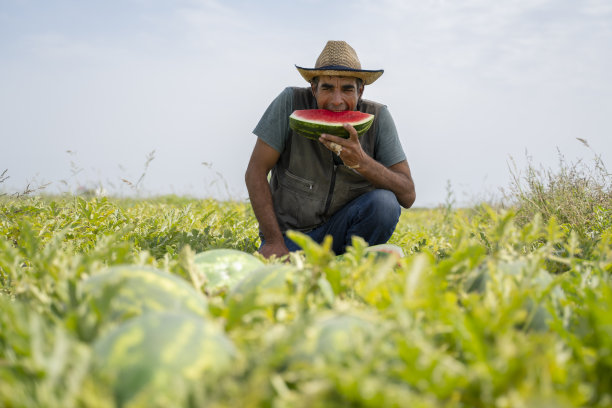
x: 336, y: 333
x: 314, y: 130
x: 261, y: 288
x: 224, y: 268
x: 333, y: 336
x: 387, y: 249
x: 161, y: 354
x: 134, y: 290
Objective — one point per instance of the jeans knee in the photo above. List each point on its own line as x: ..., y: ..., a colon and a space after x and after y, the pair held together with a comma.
x: 383, y: 205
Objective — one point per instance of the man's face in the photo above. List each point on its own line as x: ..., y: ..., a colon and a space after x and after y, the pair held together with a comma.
x: 337, y: 93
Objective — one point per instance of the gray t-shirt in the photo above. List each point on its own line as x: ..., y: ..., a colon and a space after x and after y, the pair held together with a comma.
x: 273, y: 128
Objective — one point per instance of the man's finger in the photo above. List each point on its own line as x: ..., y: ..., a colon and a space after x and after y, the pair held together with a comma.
x: 327, y: 139
x: 352, y: 132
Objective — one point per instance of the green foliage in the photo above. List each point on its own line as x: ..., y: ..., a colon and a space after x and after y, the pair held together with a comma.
x: 488, y: 309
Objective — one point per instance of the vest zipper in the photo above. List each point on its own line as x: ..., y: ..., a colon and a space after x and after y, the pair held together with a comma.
x: 331, y: 189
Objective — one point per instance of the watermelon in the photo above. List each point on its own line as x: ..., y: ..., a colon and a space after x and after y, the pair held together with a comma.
x: 381, y: 252
x: 340, y: 334
x: 122, y: 292
x: 262, y: 289
x: 528, y: 277
x: 312, y: 122
x: 334, y: 337
x: 385, y: 250
x: 157, y: 359
x: 222, y: 269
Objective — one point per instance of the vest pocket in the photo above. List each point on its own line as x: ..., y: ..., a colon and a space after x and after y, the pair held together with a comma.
x: 297, y: 203
x: 297, y: 183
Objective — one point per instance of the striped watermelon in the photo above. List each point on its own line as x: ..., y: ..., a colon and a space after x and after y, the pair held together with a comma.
x: 122, y: 292
x: 524, y: 274
x: 157, y: 359
x: 337, y: 335
x: 312, y: 122
x: 262, y: 289
x: 222, y: 269
x: 381, y: 252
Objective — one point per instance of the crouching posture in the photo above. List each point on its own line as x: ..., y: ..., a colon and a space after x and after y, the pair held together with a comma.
x: 331, y: 186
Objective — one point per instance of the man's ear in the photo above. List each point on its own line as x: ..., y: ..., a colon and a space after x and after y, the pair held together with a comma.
x: 313, y: 88
x: 361, y: 87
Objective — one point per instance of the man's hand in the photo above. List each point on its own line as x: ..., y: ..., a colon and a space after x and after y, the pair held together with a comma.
x: 349, y: 150
x: 396, y: 178
x: 262, y: 160
x: 270, y: 249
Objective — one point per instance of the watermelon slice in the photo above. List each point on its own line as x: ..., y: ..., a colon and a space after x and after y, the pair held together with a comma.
x: 312, y: 122
x: 387, y: 249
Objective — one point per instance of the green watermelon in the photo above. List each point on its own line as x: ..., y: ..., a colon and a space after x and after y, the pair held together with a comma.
x: 224, y: 268
x: 341, y: 333
x: 312, y: 122
x: 527, y: 277
x: 385, y: 250
x: 157, y: 359
x: 122, y: 292
x: 261, y: 289
x: 381, y: 252
x: 334, y: 337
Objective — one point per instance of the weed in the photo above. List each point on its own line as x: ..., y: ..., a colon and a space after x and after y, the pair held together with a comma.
x: 578, y: 195
x: 135, y: 186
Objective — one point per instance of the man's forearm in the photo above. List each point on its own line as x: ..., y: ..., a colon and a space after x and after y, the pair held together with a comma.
x: 396, y: 178
x: 398, y: 182
x: 261, y: 201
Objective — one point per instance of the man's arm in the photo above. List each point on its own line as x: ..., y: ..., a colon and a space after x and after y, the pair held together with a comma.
x: 396, y: 178
x: 263, y: 158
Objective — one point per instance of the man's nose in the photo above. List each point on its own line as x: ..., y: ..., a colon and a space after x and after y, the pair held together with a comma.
x: 337, y: 98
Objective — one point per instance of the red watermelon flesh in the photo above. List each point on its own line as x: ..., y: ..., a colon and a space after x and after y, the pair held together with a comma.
x: 312, y: 123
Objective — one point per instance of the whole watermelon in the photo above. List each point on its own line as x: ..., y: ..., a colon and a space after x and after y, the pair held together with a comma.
x: 224, y: 268
x: 386, y: 249
x: 528, y: 277
x: 335, y: 336
x: 158, y: 358
x: 262, y: 289
x: 123, y: 292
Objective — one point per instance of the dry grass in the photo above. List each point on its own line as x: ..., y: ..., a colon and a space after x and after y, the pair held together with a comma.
x: 26, y: 191
x: 577, y: 194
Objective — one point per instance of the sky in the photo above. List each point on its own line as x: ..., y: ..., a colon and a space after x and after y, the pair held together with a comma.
x: 100, y: 93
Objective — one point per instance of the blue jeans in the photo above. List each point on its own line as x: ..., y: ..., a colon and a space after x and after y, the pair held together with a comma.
x: 372, y: 216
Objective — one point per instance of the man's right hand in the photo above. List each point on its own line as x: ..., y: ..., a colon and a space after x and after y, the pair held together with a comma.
x: 263, y: 158
x: 269, y: 249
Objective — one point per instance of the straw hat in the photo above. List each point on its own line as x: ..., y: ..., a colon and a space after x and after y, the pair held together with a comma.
x: 339, y: 59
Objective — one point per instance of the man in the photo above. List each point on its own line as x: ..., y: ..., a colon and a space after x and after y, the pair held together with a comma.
x: 334, y: 186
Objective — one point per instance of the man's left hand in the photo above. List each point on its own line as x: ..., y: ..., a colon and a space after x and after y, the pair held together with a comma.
x: 349, y: 150
x: 396, y: 178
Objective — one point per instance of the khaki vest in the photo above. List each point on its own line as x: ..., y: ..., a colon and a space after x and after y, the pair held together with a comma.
x: 307, y: 186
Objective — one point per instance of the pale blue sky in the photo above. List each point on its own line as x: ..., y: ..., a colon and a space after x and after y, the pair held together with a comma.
x: 470, y: 83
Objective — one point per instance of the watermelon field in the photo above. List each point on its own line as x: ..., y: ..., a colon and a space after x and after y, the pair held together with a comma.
x: 162, y: 302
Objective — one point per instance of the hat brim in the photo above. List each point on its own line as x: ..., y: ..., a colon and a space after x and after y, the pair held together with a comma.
x: 367, y: 76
